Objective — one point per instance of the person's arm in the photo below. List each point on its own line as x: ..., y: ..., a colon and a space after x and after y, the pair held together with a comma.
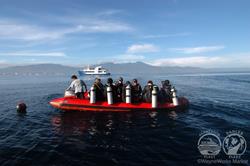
x: 70, y: 86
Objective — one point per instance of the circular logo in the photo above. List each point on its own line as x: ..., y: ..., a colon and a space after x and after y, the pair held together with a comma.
x: 234, y: 144
x: 209, y: 144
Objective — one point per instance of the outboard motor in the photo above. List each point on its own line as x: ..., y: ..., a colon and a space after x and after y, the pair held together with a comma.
x: 174, y: 97
x: 109, y: 95
x: 154, y: 97
x: 92, y: 95
x: 128, y: 94
x: 69, y: 93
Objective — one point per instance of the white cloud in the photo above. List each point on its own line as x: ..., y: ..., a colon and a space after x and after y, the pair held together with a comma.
x: 103, y: 26
x: 34, y: 54
x: 15, y: 30
x: 166, y: 35
x: 124, y: 58
x: 2, y: 61
x: 142, y: 48
x: 10, y: 29
x: 201, y: 49
x: 196, y: 61
x: 219, y: 61
x: 109, y: 12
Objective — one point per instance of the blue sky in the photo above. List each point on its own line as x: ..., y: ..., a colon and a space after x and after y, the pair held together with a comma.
x: 201, y: 33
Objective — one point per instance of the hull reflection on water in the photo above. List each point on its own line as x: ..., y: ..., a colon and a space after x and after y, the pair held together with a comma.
x: 94, y: 123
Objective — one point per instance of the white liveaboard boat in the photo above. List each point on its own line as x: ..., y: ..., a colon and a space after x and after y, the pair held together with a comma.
x: 98, y: 70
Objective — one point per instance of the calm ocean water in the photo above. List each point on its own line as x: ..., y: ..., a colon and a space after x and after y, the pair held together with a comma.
x: 47, y: 136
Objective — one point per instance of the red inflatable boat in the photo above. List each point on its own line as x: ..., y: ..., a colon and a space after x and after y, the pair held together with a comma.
x: 72, y: 103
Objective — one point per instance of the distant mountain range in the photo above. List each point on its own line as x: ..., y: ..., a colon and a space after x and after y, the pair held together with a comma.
x: 39, y: 69
x: 140, y: 67
x: 123, y: 68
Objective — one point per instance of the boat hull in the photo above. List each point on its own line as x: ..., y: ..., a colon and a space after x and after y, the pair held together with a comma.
x: 71, y: 103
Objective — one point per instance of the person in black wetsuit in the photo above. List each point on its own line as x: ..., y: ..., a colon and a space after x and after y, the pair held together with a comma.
x: 99, y: 90
x: 119, y: 89
x: 110, y: 84
x: 147, y: 92
x: 136, y: 91
x: 165, y: 92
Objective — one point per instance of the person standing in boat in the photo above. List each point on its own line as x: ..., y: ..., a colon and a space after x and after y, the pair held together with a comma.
x: 136, y: 91
x: 147, y: 92
x: 78, y: 86
x: 99, y: 90
x: 119, y: 88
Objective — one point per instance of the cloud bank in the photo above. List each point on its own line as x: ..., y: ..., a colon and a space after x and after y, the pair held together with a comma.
x: 232, y: 60
x: 187, y: 61
x: 142, y: 48
x: 166, y: 35
x: 34, y: 54
x: 201, y: 49
x: 16, y: 30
